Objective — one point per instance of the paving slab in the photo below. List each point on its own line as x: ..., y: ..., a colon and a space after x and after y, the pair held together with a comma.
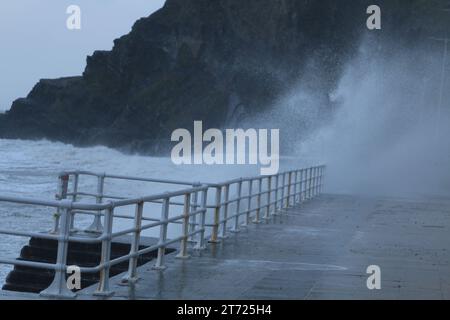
x: 318, y: 250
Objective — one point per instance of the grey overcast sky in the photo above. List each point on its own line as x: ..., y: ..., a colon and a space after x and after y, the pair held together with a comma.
x: 36, y: 44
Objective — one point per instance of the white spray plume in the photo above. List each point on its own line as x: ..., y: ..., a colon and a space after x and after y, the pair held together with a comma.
x: 384, y: 136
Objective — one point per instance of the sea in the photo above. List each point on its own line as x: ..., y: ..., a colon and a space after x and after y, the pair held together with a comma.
x: 30, y: 169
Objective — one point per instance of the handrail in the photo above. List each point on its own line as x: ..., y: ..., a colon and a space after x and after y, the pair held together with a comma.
x: 67, y: 204
x: 255, y: 198
x: 120, y: 177
x: 165, y: 181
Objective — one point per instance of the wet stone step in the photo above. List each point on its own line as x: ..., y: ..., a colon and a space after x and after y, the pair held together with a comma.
x: 76, y: 257
x: 119, y: 248
x: 35, y: 280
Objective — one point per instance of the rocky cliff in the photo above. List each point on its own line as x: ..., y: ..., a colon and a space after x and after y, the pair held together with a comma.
x: 219, y: 61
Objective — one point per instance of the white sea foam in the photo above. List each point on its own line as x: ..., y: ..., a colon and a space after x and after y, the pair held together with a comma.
x: 30, y: 169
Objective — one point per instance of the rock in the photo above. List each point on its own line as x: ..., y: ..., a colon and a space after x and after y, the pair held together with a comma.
x: 217, y: 61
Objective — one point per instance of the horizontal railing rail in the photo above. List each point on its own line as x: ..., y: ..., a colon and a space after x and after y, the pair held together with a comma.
x: 238, y: 202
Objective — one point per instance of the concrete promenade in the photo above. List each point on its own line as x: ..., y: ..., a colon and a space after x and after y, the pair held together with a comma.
x: 319, y: 250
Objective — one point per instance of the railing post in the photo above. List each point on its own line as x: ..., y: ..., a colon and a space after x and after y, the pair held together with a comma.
x: 258, y: 202
x: 310, y: 183
x: 103, y: 285
x: 319, y: 177
x: 61, y: 194
x: 217, y: 205
x: 306, y: 184
x: 276, y: 194
x: 295, y: 186
x: 201, y: 236
x: 132, y: 277
x: 96, y: 226
x: 193, y: 218
x: 238, y: 208
x: 76, y: 179
x: 316, y: 180
x: 249, y: 203
x: 162, y: 235
x: 225, y: 210
x: 269, y: 187
x: 301, y: 186
x: 183, y: 246
x: 288, y: 204
x: 322, y: 179
x: 283, y: 182
x: 74, y: 198
x: 58, y: 288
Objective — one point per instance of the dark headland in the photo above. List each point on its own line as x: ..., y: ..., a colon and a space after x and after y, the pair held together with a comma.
x: 222, y: 62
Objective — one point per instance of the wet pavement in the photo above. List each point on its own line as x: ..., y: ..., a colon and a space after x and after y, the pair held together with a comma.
x: 319, y: 250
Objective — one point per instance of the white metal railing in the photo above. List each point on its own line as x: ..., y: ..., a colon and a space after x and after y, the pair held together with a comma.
x: 239, y: 202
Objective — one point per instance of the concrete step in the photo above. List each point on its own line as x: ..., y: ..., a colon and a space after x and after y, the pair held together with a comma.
x: 34, y: 280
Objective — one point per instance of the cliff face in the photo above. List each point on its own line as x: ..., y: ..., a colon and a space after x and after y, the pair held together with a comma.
x: 218, y: 61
